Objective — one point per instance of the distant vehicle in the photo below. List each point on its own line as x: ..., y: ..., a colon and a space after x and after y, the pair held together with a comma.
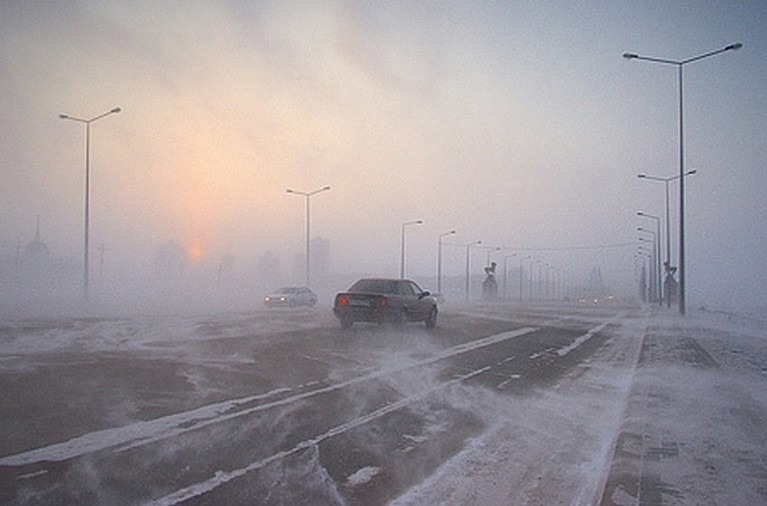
x: 291, y: 296
x: 395, y: 301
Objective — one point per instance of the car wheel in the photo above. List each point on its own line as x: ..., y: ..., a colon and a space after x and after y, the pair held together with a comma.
x: 431, y: 320
x: 346, y: 323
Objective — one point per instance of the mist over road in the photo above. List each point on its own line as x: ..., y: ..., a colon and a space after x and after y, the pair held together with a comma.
x: 275, y: 407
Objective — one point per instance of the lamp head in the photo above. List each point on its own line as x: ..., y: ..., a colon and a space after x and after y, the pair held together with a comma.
x: 116, y: 109
x: 734, y: 47
x: 630, y: 56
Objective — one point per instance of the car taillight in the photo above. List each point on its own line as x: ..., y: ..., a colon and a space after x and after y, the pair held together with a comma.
x: 343, y: 300
x: 383, y: 302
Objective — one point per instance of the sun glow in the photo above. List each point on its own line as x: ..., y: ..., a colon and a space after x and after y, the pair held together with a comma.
x: 195, y: 251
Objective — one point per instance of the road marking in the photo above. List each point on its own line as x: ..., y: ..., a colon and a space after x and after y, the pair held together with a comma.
x: 223, y: 477
x: 588, y: 335
x: 141, y: 433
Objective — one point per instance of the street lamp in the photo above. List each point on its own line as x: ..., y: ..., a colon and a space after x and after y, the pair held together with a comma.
x: 521, y: 274
x: 641, y: 255
x: 548, y: 286
x: 87, y: 122
x: 539, y: 288
x: 657, y: 255
x: 680, y: 67
x: 666, y: 181
x: 490, y: 250
x: 468, y: 261
x: 655, y: 267
x: 402, y: 244
x: 506, y: 273
x: 307, y: 196
x: 439, y: 259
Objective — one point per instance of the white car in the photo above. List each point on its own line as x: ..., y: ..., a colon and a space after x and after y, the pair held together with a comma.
x: 291, y: 296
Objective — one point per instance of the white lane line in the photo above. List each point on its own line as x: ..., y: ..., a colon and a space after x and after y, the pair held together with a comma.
x: 142, y: 433
x: 223, y: 477
x: 588, y: 335
x: 134, y: 432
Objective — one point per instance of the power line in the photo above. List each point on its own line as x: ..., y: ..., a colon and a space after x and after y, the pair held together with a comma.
x: 562, y: 248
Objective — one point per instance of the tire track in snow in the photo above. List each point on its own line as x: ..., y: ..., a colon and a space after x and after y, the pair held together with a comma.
x: 141, y: 433
x: 222, y: 477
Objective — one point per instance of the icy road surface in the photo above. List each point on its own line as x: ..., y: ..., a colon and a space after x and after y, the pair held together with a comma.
x: 501, y: 404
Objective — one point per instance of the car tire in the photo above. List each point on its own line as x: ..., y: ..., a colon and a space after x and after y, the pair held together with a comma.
x: 346, y: 323
x: 431, y: 320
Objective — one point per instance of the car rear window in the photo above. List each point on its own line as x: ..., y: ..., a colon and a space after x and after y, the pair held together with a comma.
x: 374, y: 286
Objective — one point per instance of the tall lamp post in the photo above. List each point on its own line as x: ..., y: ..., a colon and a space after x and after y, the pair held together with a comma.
x: 87, y: 122
x: 657, y: 253
x: 654, y: 261
x: 468, y: 262
x: 641, y: 255
x: 666, y: 181
x: 521, y: 273
x: 506, y: 274
x: 490, y: 250
x: 680, y: 68
x: 439, y: 259
x: 307, y: 196
x: 402, y: 244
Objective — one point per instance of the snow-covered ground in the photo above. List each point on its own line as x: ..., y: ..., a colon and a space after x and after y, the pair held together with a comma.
x: 672, y: 411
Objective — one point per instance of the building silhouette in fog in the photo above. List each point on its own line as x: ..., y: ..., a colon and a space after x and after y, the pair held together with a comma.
x: 36, y: 252
x: 34, y: 270
x: 596, y: 287
x: 33, y: 265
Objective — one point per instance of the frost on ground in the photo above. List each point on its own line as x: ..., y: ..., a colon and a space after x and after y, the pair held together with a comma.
x: 669, y: 410
x: 695, y: 426
x: 672, y: 410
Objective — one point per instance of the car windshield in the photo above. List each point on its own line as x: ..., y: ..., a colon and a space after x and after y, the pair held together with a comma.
x: 374, y: 286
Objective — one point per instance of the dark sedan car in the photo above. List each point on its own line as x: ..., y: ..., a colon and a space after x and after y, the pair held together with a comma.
x: 395, y: 301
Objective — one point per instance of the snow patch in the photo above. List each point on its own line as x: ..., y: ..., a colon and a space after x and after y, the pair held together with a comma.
x: 362, y: 476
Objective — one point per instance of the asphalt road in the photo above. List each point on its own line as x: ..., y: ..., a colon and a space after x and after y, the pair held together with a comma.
x: 268, y: 407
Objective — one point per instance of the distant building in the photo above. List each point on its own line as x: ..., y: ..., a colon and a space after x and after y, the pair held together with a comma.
x: 36, y: 252
x: 33, y: 266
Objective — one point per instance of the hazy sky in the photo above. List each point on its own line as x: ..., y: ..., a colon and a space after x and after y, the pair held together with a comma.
x: 515, y: 123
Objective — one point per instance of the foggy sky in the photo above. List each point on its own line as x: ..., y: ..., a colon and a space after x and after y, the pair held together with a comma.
x: 515, y: 123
